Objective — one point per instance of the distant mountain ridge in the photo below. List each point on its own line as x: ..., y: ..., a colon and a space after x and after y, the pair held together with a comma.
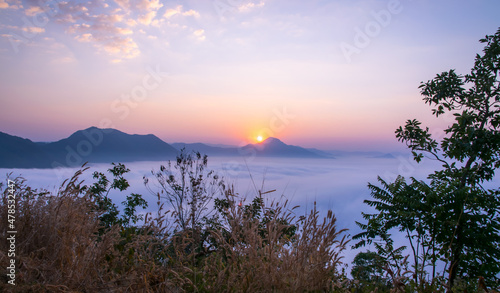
x: 92, y: 145
x: 17, y: 152
x: 206, y: 149
x: 96, y: 145
x: 271, y: 147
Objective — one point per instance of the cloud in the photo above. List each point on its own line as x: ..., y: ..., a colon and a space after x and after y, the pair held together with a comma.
x: 146, y: 10
x: 199, y: 34
x: 33, y: 10
x: 123, y: 3
x: 108, y: 33
x: 10, y: 37
x: 105, y: 27
x: 125, y: 47
x: 10, y: 4
x: 33, y: 29
x: 85, y: 38
x: 67, y: 18
x: 172, y: 11
x: 149, y: 5
x: 130, y: 22
x: 147, y: 18
x: 10, y: 27
x: 250, y: 6
x: 110, y: 26
x: 339, y: 185
x: 111, y: 40
x: 139, y: 4
x: 191, y: 13
x: 124, y: 31
x: 178, y: 10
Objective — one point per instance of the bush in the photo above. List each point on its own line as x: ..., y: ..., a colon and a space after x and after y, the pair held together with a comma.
x: 76, y: 240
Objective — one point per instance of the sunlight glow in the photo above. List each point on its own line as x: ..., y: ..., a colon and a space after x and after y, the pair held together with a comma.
x: 259, y: 138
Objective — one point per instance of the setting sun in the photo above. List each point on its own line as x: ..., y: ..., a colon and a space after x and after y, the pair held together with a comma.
x: 259, y: 138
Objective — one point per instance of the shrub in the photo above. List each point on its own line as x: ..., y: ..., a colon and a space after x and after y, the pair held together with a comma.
x: 76, y: 240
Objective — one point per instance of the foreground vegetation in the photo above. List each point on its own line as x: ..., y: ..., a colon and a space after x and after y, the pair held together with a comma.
x: 453, y: 218
x: 77, y: 240
x: 204, y: 237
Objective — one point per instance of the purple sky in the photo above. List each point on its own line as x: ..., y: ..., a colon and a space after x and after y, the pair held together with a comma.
x: 326, y: 74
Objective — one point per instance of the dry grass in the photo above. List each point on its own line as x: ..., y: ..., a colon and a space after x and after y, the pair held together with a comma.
x: 56, y: 246
x: 263, y: 258
x: 59, y: 248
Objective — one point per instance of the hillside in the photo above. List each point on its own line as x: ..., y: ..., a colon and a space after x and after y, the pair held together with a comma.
x: 92, y: 145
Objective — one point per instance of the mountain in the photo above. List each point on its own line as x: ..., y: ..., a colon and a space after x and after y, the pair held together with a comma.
x: 16, y: 152
x: 207, y: 149
x: 321, y: 153
x: 96, y: 145
x: 219, y: 145
x: 273, y: 147
x: 92, y: 145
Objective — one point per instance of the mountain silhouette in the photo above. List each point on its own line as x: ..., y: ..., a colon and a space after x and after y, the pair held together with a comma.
x: 207, y: 149
x: 96, y: 145
x: 17, y: 152
x: 92, y: 145
x: 273, y: 147
x: 108, y: 145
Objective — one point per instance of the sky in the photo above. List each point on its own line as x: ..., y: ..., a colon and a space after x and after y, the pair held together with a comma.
x: 338, y: 74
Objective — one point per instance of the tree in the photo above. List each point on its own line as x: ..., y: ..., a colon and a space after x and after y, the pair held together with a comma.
x: 189, y: 189
x: 467, y: 214
x: 99, y: 192
x: 367, y: 268
x: 411, y: 209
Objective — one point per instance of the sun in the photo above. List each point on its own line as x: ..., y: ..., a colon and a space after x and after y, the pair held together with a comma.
x: 260, y: 138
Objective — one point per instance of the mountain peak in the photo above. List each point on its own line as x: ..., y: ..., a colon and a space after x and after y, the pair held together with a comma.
x: 272, y: 141
x: 273, y: 147
x: 104, y: 130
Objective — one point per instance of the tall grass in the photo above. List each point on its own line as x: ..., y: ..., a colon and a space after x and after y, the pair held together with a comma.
x: 59, y: 249
x: 61, y: 246
x: 263, y: 256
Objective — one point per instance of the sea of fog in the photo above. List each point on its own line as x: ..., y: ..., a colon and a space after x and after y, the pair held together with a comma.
x: 338, y: 184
